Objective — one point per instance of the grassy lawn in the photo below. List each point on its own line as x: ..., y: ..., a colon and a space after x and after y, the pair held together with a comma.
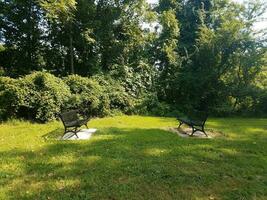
x: 134, y: 158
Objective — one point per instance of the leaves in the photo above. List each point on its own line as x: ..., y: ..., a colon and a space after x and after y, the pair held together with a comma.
x: 59, y: 9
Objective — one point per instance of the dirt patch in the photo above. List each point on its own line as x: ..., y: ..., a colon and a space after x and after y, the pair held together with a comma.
x: 186, y: 132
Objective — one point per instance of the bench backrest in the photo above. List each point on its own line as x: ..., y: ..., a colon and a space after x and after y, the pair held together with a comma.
x: 199, y: 117
x: 69, y: 116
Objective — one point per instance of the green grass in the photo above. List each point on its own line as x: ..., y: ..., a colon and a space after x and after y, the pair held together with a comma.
x: 134, y: 158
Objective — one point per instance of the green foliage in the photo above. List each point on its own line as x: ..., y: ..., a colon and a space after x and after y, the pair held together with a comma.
x: 21, y: 34
x: 161, y: 109
x: 47, y: 95
x: 201, y: 54
x: 39, y: 96
x: 11, y: 97
x: 114, y: 96
x: 85, y: 94
x: 135, y: 80
x: 99, y: 95
x: 260, y: 93
x: 219, y: 56
x: 2, y: 48
x: 62, y: 10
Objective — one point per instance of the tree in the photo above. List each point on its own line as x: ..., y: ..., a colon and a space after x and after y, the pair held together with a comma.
x: 185, y: 18
x: 167, y: 57
x: 218, y: 50
x: 63, y: 12
x: 21, y: 33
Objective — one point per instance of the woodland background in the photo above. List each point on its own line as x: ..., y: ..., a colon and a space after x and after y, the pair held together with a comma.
x: 128, y: 56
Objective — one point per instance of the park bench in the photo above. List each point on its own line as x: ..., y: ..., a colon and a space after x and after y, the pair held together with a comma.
x: 72, y: 121
x: 194, y: 119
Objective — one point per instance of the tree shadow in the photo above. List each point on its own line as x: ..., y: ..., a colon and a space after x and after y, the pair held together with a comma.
x: 119, y: 163
x: 53, y: 135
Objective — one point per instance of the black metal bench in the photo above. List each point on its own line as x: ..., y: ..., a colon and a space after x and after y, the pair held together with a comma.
x: 72, y: 121
x: 196, y: 120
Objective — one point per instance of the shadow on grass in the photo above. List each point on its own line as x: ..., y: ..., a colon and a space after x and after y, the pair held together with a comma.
x: 138, y: 164
x: 54, y: 135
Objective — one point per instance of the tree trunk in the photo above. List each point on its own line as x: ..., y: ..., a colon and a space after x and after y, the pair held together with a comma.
x: 71, y: 54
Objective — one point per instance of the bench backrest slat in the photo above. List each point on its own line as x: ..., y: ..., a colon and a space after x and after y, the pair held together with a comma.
x: 69, y: 116
x: 198, y: 116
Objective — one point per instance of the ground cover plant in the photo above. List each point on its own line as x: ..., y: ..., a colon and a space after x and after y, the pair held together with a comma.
x: 134, y: 157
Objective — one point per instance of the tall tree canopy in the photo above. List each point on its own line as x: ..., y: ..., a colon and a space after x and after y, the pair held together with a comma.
x: 202, y: 52
x: 217, y: 53
x: 21, y: 32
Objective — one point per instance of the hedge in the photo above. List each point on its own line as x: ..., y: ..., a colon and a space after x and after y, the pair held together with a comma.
x: 41, y: 96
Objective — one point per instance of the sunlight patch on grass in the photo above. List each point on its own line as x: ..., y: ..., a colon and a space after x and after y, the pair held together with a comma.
x: 231, y: 152
x: 155, y: 152
x: 254, y: 129
x: 134, y: 122
x: 62, y: 184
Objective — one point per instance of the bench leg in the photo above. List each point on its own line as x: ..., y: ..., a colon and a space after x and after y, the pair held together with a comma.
x: 180, y: 124
x: 75, y: 132
x: 65, y: 131
x: 193, y: 131
x: 203, y: 130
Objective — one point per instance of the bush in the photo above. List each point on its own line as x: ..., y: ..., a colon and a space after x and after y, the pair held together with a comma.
x: 85, y: 94
x: 48, y: 95
x: 114, y: 97
x: 261, y: 103
x: 150, y: 105
x: 98, y: 96
x: 38, y: 96
x: 11, y: 97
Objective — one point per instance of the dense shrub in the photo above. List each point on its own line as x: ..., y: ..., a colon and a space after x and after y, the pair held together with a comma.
x: 85, y: 94
x: 38, y: 96
x: 41, y: 96
x: 150, y: 105
x: 261, y: 96
x: 261, y: 106
x: 11, y: 97
x: 114, y: 96
x: 48, y: 95
x: 99, y: 95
